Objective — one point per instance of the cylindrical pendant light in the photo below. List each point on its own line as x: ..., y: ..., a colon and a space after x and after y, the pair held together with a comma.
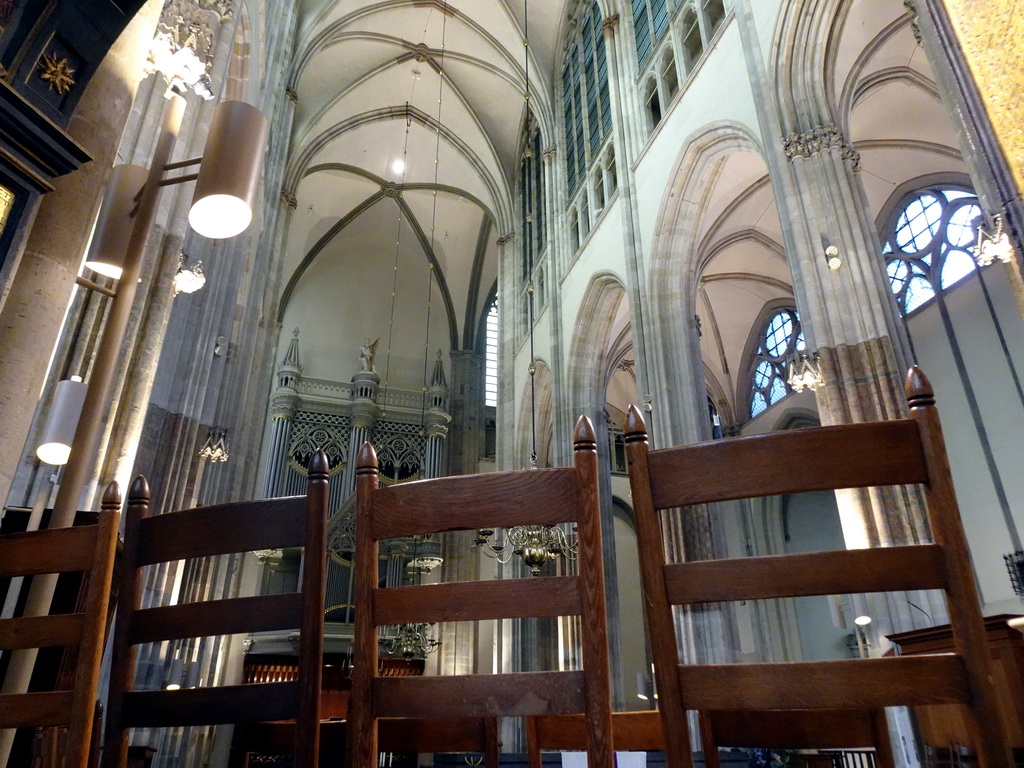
x: 230, y: 172
x: 59, y: 432
x: 114, y: 224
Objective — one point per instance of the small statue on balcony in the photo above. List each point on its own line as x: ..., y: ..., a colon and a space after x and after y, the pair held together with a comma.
x: 367, y: 353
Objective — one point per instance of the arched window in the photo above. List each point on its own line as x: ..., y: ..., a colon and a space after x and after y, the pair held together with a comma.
x: 531, y: 197
x: 585, y: 96
x: 650, y: 22
x: 491, y: 357
x: 928, y: 244
x: 780, y: 337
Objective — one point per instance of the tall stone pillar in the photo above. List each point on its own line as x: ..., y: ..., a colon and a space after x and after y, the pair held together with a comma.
x: 34, y: 307
x: 466, y: 407
x: 364, y: 417
x: 848, y: 315
x: 283, y: 407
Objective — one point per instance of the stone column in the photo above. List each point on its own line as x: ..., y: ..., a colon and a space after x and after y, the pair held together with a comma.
x: 34, y: 307
x: 364, y: 417
x: 466, y: 406
x: 848, y: 315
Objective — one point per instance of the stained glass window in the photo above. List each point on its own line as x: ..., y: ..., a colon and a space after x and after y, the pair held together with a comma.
x: 927, y: 247
x: 491, y: 358
x: 586, y: 107
x: 780, y: 337
x: 6, y: 204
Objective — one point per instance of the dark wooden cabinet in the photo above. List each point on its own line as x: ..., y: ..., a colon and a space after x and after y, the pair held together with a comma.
x: 946, y: 724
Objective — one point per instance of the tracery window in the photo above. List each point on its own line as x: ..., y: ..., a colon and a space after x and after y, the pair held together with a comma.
x: 650, y: 22
x: 586, y: 102
x: 780, y: 337
x: 927, y: 246
x: 662, y: 28
x: 491, y: 357
x: 531, y: 198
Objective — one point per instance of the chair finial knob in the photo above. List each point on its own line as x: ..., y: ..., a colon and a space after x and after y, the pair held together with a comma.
x: 636, y: 429
x: 139, y: 490
x: 366, y: 461
x: 918, y: 389
x: 111, y: 496
x: 319, y: 467
x: 583, y: 437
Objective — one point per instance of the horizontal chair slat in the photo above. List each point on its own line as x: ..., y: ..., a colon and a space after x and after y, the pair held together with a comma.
x: 512, y: 695
x: 788, y: 729
x: 883, y: 569
x: 35, y: 710
x: 536, y: 496
x: 464, y: 734
x: 478, y: 601
x: 41, y: 631
x: 873, y: 454
x: 210, y: 706
x: 61, y: 550
x: 858, y: 683
x: 222, y: 529
x: 631, y: 731
x: 217, y: 617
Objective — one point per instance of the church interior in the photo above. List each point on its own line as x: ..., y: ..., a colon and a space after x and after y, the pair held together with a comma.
x: 471, y: 223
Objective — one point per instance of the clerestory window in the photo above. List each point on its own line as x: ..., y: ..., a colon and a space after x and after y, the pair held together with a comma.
x: 779, y: 339
x: 928, y: 244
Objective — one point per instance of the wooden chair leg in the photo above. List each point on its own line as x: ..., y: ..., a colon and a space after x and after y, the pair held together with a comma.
x: 532, y: 743
x: 883, y: 741
x: 708, y: 743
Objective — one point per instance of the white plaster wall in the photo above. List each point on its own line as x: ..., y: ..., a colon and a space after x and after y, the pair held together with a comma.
x: 345, y: 296
x: 1002, y: 414
x: 699, y: 103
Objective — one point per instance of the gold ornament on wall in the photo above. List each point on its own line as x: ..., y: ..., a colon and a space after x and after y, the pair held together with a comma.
x: 57, y: 72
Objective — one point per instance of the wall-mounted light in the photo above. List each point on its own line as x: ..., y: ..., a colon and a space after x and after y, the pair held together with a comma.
x: 804, y: 372
x: 832, y: 258
x: 229, y: 174
x: 114, y: 224
x: 992, y: 245
x: 189, y: 279
x: 59, y: 432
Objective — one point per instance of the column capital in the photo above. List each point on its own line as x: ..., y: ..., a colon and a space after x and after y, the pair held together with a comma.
x: 610, y: 24
x: 818, y: 140
x: 507, y: 238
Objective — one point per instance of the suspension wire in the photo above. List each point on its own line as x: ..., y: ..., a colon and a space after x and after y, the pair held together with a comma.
x: 398, y: 248
x: 433, y: 224
x: 529, y: 284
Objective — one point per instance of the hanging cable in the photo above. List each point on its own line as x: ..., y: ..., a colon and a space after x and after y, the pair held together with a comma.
x: 398, y: 249
x: 529, y: 284
x: 433, y: 223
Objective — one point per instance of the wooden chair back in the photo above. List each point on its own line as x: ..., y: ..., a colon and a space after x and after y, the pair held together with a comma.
x: 299, y: 521
x: 904, y: 451
x: 470, y: 502
x: 796, y: 729
x: 631, y: 732
x: 89, y: 549
x: 408, y: 735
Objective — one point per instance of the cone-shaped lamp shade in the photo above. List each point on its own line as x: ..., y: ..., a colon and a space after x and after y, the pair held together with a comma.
x: 230, y: 172
x: 59, y: 432
x: 115, y: 222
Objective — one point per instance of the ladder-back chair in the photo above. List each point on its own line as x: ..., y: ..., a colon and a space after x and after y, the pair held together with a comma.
x: 298, y: 521
x: 89, y: 549
x: 469, y: 502
x: 631, y: 732
x: 832, y: 729
x: 904, y: 451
